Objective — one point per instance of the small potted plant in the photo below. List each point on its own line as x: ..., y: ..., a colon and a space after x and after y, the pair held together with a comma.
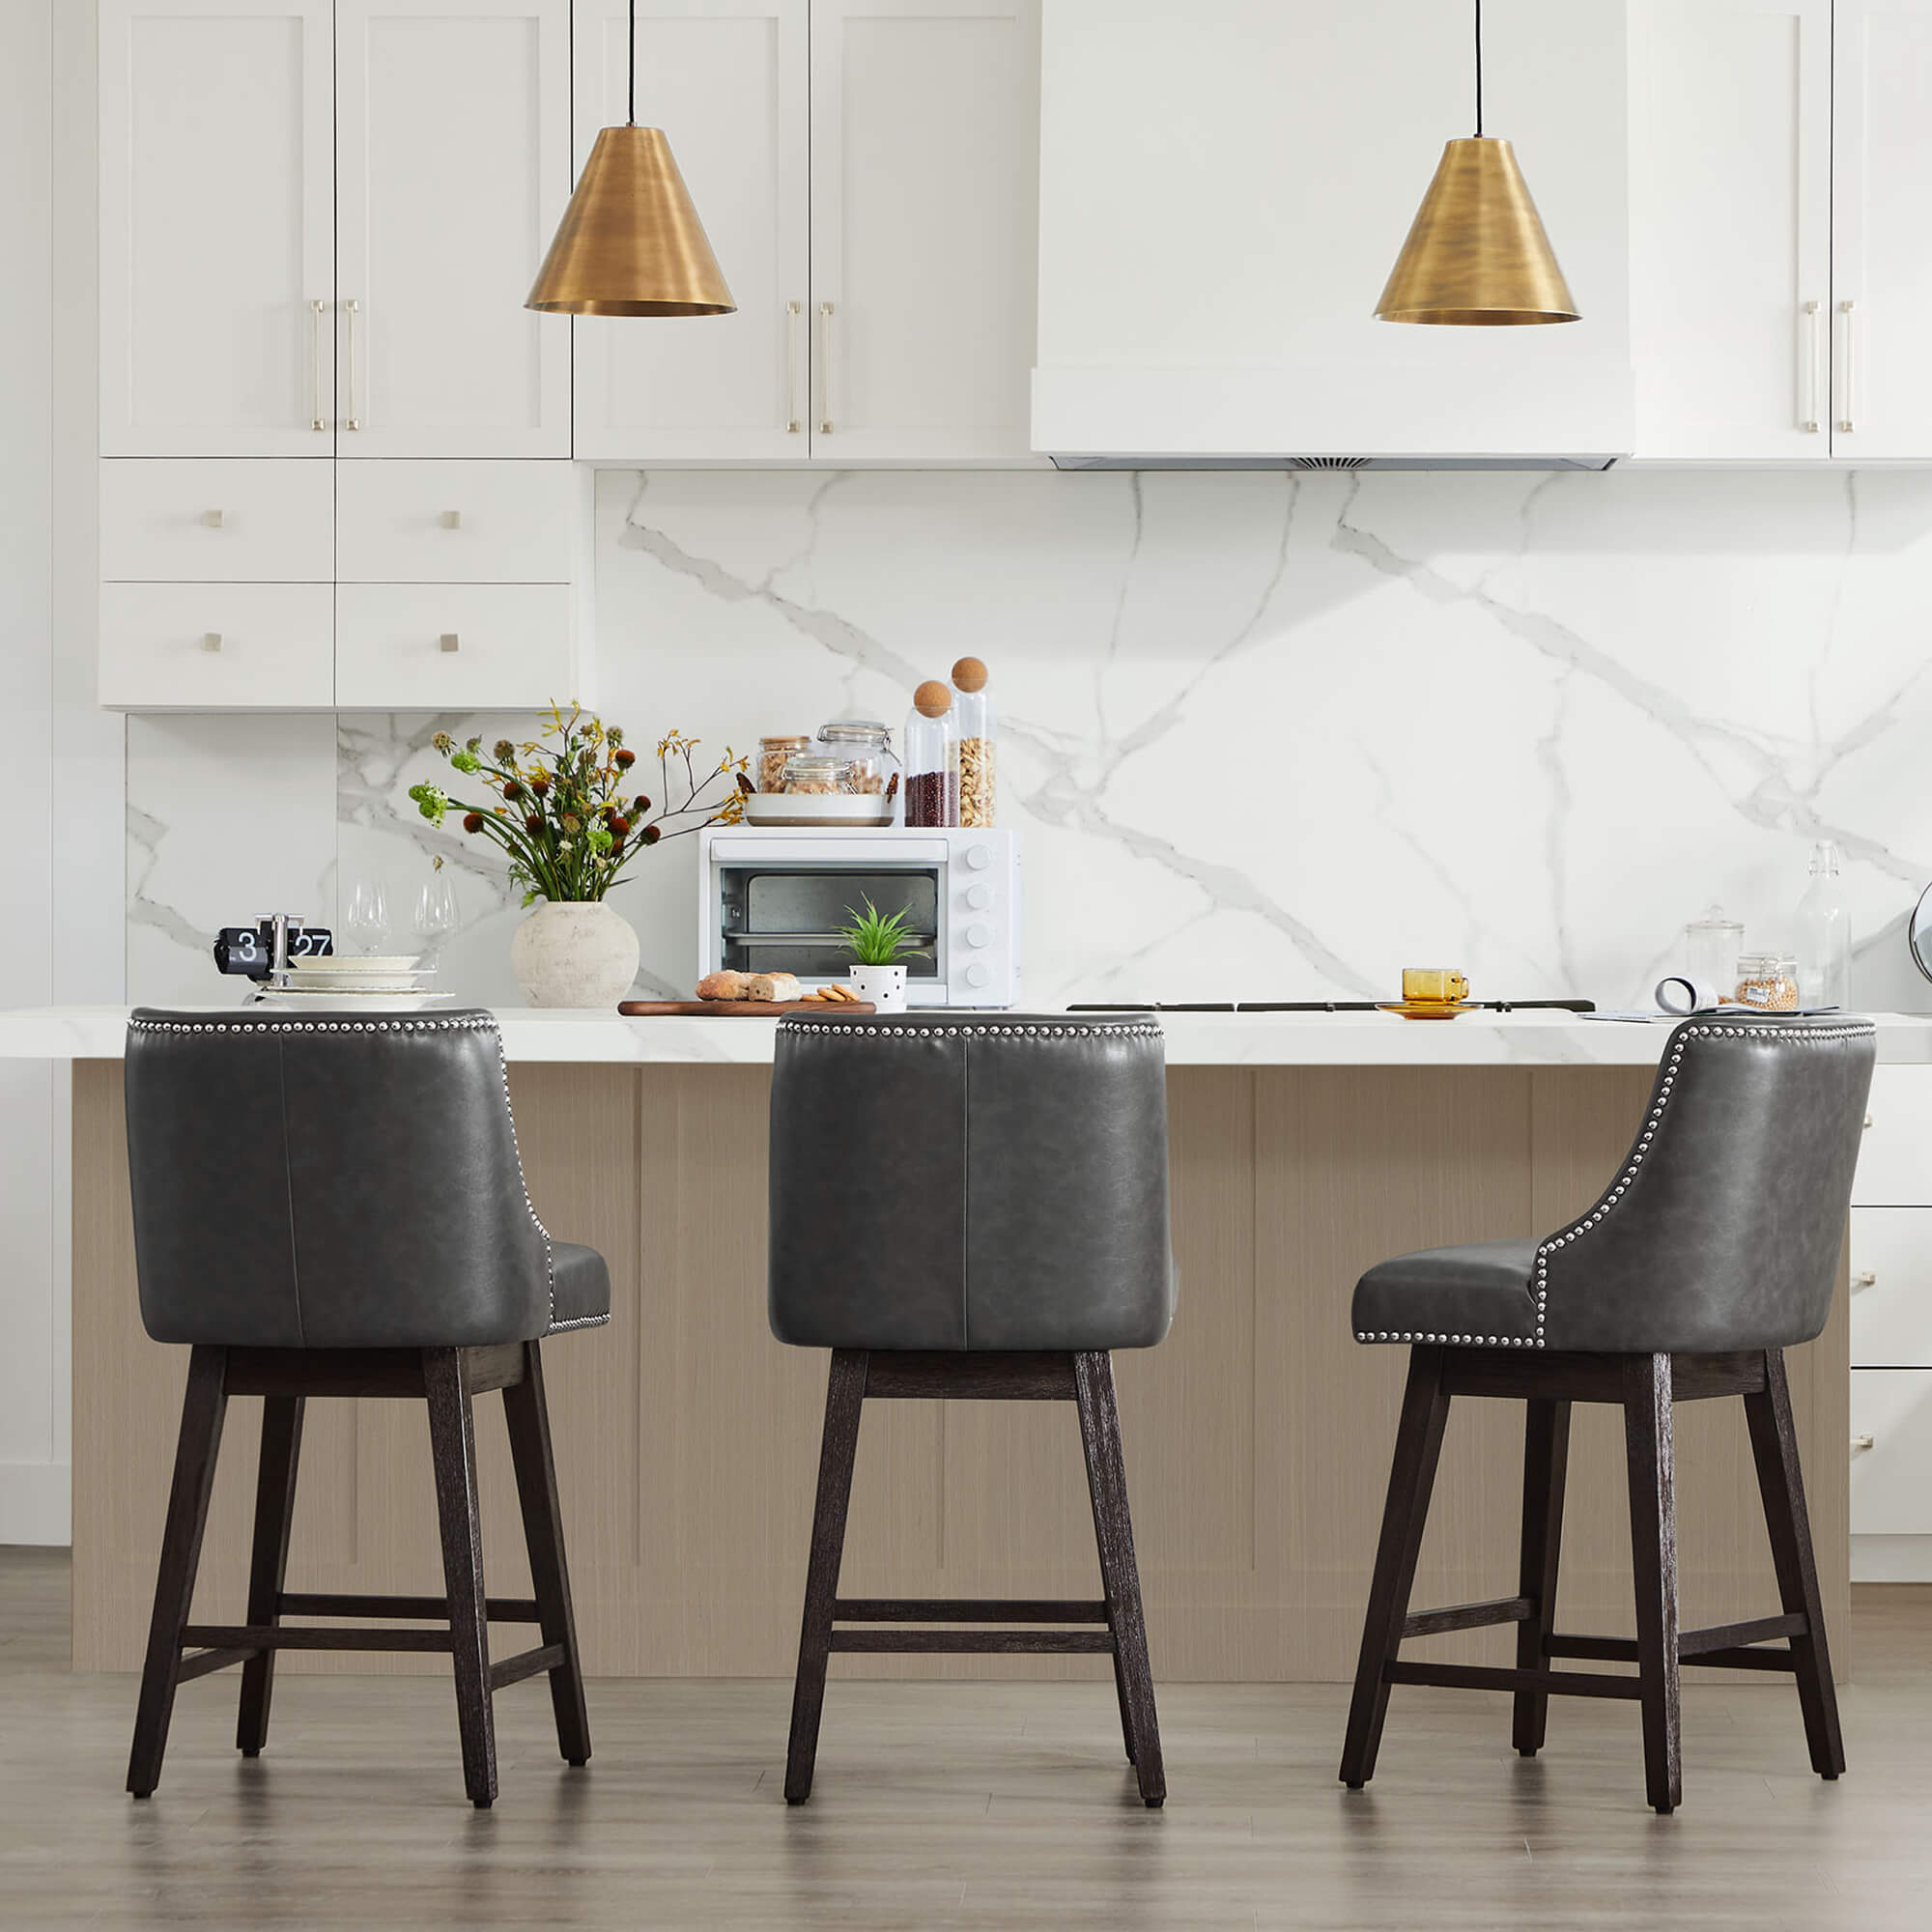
x: 875, y: 942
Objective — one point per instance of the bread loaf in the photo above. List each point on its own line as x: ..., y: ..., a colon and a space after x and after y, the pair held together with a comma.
x: 777, y: 988
x: 724, y: 986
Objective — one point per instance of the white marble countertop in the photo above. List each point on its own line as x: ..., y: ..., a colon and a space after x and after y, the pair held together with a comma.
x: 1193, y: 1040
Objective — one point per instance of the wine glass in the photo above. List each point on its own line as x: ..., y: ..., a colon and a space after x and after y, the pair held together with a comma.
x: 435, y: 917
x: 366, y: 918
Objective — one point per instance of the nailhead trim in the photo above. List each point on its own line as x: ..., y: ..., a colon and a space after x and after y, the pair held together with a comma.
x: 459, y: 1023
x: 1758, y: 1029
x: 1133, y: 1029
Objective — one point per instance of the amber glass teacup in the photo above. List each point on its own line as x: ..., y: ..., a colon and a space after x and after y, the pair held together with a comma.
x: 1432, y: 985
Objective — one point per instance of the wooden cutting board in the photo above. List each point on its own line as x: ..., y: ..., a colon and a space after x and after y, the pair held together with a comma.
x: 737, y: 1009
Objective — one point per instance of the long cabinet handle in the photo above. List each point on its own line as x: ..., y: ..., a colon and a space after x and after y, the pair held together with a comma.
x: 794, y: 311
x: 353, y: 419
x: 316, y: 311
x: 825, y: 368
x: 1846, y: 309
x: 1808, y: 416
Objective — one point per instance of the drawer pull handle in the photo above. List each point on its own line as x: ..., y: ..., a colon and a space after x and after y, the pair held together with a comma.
x: 211, y: 640
x: 316, y: 311
x: 1861, y: 1443
x: 1868, y: 1119
x: 447, y: 641
x: 452, y: 520
x: 1867, y: 1278
x: 211, y: 518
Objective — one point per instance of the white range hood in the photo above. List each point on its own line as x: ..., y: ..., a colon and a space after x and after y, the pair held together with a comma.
x: 1224, y: 188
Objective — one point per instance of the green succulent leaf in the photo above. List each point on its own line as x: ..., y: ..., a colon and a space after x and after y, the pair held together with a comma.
x: 873, y: 939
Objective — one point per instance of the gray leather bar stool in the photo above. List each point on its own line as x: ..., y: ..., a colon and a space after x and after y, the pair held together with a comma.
x: 336, y: 1207
x: 972, y: 1207
x: 1714, y: 1249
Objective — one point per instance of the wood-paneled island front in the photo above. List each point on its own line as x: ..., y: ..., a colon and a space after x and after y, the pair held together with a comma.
x: 1303, y: 1149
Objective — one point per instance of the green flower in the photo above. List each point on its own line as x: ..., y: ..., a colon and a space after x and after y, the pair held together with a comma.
x: 464, y: 761
x: 431, y: 801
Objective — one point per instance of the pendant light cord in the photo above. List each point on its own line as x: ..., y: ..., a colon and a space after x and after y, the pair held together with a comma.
x: 631, y: 100
x: 1478, y: 61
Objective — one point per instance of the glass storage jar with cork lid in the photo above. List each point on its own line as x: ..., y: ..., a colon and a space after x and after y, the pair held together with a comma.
x: 978, y: 731
x: 932, y: 758
x: 773, y: 753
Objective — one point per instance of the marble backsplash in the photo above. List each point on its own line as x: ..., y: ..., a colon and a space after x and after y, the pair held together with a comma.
x: 1264, y: 735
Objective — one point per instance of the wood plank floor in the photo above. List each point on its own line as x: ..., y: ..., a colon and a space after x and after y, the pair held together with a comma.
x: 947, y: 1805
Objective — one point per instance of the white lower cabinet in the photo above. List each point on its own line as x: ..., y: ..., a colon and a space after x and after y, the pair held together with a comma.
x: 453, y: 646
x: 1892, y: 1287
x: 1892, y: 1451
x: 217, y: 646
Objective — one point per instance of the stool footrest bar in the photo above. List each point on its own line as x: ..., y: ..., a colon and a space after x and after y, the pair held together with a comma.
x: 525, y: 1663
x: 1481, y: 1677
x: 1469, y: 1617
x: 964, y: 1610
x: 310, y: 1604
x: 1722, y: 1646
x: 203, y: 1662
x: 284, y: 1636
x: 1018, y: 1643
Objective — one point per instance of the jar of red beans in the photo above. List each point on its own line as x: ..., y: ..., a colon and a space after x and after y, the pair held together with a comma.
x: 932, y: 757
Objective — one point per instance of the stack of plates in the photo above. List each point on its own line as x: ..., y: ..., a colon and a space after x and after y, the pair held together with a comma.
x: 394, y: 982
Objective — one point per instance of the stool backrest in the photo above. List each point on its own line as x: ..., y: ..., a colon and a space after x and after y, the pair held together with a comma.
x: 951, y: 1181
x: 1722, y: 1227
x: 323, y: 1184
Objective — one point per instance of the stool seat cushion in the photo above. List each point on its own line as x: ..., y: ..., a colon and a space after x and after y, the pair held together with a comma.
x: 1476, y: 1295
x: 580, y: 1287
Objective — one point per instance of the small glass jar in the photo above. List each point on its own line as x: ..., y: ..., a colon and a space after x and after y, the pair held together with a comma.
x: 869, y: 745
x: 1768, y: 981
x: 773, y: 757
x: 812, y: 772
x: 1712, y: 948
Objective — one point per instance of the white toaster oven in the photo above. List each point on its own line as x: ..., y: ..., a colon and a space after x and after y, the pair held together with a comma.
x: 772, y: 900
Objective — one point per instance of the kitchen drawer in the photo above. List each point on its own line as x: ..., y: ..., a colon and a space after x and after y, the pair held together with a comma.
x: 1895, y: 1157
x: 1892, y: 1287
x: 272, y: 646
x: 1892, y: 1481
x: 205, y: 519
x: 456, y: 523
x: 453, y: 646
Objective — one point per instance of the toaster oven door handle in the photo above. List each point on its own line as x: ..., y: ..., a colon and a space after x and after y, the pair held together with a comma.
x: 846, y: 852
x: 747, y: 936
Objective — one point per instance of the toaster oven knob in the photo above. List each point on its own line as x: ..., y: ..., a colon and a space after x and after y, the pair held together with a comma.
x: 978, y: 934
x: 977, y: 975
x: 978, y: 856
x: 979, y: 898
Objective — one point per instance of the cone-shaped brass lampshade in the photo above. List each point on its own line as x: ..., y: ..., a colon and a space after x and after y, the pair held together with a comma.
x: 630, y: 243
x: 1477, y: 253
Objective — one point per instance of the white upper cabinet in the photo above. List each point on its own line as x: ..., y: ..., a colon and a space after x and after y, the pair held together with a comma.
x: 1881, y: 231
x: 1226, y: 184
x: 452, y: 168
x: 725, y: 79
x: 217, y: 228
x: 925, y: 199
x: 1731, y: 228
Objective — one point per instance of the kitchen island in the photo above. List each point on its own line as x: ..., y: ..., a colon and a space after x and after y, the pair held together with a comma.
x: 1304, y: 1148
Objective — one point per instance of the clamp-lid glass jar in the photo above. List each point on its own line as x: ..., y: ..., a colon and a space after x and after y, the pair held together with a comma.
x: 1768, y: 981
x: 773, y: 754
x: 869, y: 745
x: 812, y: 772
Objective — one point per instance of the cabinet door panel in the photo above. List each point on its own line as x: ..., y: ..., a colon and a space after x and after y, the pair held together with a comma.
x: 1880, y: 215
x: 725, y: 79
x: 218, y: 519
x: 217, y: 228
x: 1892, y: 1287
x: 216, y: 646
x: 454, y: 169
x: 458, y: 523
x: 1730, y: 227
x: 924, y: 224
x: 512, y: 647
x: 1889, y: 1494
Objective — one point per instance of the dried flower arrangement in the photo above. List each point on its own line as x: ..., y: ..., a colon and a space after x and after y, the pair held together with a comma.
x: 562, y: 812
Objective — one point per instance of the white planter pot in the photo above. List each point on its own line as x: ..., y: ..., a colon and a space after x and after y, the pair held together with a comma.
x: 883, y: 986
x: 575, y: 954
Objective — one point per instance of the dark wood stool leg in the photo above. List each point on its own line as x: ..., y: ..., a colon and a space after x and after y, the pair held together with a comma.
x: 1546, y: 1463
x: 528, y: 1417
x: 1775, y: 1446
x: 202, y: 1412
x: 1418, y: 1446
x: 1121, y: 1695
x: 268, y: 1563
x: 1648, y: 1456
x: 1119, y: 1573
x: 845, y: 1398
x: 452, y: 1436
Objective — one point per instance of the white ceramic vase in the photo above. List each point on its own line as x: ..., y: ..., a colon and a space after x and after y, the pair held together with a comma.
x: 883, y: 986
x: 575, y: 953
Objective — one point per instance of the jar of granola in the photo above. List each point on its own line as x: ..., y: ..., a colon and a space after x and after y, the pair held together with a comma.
x: 977, y: 736
x: 1768, y: 981
x: 773, y: 753
x: 809, y: 772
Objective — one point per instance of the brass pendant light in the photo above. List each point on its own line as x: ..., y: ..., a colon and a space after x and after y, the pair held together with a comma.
x: 631, y: 243
x: 1476, y: 255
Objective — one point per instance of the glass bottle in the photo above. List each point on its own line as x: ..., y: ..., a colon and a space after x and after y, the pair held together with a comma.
x: 1824, y: 935
x: 932, y: 757
x: 979, y: 734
